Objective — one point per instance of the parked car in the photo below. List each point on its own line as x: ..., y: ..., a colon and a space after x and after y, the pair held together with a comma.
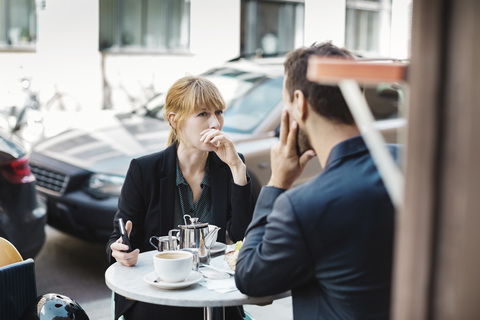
x: 80, y: 172
x: 22, y: 217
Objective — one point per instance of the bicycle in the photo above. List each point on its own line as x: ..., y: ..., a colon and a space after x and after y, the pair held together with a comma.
x: 61, y: 101
x: 129, y: 97
x: 26, y: 121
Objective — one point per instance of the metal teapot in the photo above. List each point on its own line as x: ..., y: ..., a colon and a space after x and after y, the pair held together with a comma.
x: 199, y: 236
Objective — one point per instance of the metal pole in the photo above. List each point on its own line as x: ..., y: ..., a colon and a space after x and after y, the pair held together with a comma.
x: 391, y: 174
x: 208, y: 313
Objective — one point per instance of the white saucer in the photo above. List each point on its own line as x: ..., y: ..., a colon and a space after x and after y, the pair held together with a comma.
x: 218, y: 247
x: 193, y: 277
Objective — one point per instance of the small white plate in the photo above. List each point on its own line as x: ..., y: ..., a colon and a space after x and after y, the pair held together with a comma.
x: 193, y: 277
x: 218, y: 247
x: 213, y: 273
x: 219, y: 263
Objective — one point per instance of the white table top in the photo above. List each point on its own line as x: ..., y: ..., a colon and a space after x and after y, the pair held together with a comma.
x: 128, y: 282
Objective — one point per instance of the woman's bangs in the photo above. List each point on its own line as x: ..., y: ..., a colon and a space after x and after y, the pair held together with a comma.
x: 208, y: 97
x: 211, y: 102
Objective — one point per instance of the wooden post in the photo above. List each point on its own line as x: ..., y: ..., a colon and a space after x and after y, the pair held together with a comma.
x: 437, y: 257
x: 437, y: 238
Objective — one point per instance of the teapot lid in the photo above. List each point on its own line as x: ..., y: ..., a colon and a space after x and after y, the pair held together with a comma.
x: 194, y: 223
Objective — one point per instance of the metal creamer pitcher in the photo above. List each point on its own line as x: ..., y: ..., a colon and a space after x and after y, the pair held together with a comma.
x: 199, y: 236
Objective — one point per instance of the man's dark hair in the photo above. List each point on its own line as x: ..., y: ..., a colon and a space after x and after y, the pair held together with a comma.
x: 326, y: 100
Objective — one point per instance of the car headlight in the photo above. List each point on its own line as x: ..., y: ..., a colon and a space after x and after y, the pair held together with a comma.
x: 105, y: 185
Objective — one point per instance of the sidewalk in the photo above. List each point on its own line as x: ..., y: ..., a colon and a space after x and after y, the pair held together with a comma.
x: 278, y: 310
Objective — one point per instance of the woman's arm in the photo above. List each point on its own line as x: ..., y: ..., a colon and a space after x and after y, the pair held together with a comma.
x: 130, y: 204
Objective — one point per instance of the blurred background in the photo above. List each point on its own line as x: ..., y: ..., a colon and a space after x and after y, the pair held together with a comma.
x: 64, y: 60
x: 61, y: 61
x: 108, y: 54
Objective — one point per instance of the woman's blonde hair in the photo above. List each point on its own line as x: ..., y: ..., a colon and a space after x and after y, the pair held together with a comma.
x: 188, y: 95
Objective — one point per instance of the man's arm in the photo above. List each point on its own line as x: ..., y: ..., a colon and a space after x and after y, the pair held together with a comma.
x: 272, y: 259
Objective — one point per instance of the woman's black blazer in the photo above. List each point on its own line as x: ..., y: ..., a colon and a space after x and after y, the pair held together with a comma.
x: 148, y: 199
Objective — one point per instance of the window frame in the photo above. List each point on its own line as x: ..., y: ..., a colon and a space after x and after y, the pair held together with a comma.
x: 142, y: 48
x: 383, y: 8
x: 248, y: 34
x: 6, y: 44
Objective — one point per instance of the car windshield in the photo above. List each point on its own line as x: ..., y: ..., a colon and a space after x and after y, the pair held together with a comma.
x: 250, y: 95
x: 233, y: 83
x: 245, y: 114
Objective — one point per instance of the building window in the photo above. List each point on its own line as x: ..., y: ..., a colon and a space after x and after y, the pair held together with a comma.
x: 18, y: 24
x: 271, y: 27
x: 145, y: 25
x: 367, y: 29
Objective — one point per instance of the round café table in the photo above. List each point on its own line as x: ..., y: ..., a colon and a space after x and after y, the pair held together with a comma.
x: 129, y: 282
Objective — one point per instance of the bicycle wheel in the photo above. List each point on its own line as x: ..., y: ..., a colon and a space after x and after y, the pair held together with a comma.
x: 62, y: 102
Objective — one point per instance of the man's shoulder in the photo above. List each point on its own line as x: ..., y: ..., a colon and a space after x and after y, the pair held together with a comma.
x: 308, y: 193
x: 345, y: 180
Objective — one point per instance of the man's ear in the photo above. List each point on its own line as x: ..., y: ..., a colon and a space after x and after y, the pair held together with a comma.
x: 171, y: 120
x: 300, y: 104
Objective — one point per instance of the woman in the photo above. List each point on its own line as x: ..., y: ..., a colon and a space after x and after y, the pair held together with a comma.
x: 199, y: 173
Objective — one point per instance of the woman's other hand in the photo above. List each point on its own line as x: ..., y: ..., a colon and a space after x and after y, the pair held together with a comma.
x: 119, y: 249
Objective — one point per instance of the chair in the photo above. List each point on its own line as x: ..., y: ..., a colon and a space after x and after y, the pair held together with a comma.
x: 18, y: 288
x: 17, y: 281
x: 8, y: 253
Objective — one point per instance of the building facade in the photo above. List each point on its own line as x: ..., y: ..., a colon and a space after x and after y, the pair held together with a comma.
x: 118, y: 53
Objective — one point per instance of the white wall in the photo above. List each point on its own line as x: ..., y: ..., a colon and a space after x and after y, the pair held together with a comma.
x: 401, y: 29
x: 325, y: 20
x: 67, y: 50
x: 214, y: 38
x: 215, y: 28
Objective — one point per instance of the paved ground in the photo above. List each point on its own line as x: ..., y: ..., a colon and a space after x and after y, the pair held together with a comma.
x: 76, y: 268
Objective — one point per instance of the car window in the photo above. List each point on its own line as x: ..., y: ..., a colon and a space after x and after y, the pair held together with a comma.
x: 230, y: 87
x: 153, y: 108
x: 383, y: 100
x: 232, y: 83
x: 245, y: 114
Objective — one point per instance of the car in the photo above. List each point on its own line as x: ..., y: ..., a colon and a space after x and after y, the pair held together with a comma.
x: 80, y: 172
x: 22, y: 216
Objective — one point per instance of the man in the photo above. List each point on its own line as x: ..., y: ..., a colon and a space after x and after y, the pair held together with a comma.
x: 330, y: 240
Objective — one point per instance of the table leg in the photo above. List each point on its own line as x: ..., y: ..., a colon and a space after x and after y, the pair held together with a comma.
x: 208, y: 313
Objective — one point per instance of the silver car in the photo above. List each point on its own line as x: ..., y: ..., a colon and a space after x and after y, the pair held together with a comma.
x: 80, y: 172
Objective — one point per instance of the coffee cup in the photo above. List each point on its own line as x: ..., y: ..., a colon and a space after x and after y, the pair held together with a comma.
x: 173, y: 266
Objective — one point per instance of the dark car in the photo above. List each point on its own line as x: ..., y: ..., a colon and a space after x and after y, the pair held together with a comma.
x: 22, y: 217
x: 80, y: 172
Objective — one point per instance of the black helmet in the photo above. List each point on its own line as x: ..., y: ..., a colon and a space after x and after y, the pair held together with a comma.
x: 53, y: 306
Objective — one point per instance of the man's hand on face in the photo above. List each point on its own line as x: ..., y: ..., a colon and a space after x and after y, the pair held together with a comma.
x: 287, y: 166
